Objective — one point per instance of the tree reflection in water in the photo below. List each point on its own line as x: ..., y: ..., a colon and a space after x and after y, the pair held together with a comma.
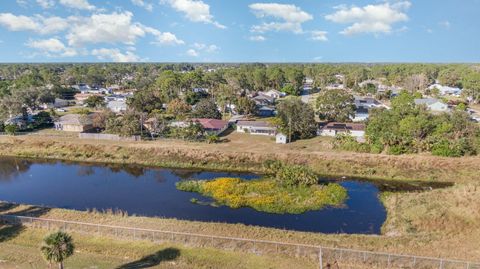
x: 10, y: 168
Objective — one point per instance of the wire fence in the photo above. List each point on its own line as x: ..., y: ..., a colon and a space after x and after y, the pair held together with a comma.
x: 325, y: 257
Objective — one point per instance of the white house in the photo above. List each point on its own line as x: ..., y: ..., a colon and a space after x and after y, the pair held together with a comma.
x: 446, y: 90
x: 356, y: 130
x: 117, y: 106
x: 275, y: 94
x: 281, y: 139
x: 433, y: 104
x: 367, y: 102
x: 256, y: 128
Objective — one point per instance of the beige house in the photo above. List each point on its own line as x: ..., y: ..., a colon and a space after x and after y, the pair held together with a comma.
x: 74, y: 123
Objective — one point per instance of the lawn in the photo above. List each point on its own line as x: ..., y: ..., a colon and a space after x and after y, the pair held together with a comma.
x: 19, y: 247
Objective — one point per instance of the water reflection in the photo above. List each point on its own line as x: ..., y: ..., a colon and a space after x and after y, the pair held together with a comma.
x: 11, y: 168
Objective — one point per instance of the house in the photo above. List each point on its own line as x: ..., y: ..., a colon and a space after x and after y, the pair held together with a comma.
x: 356, y: 130
x: 281, y: 139
x: 446, y: 90
x: 200, y: 90
x: 263, y: 100
x: 361, y: 114
x: 256, y: 128
x: 74, y: 123
x: 265, y: 111
x: 81, y: 97
x: 20, y: 121
x: 58, y: 103
x: 213, y: 126
x: 367, y: 102
x: 335, y: 86
x: 117, y: 106
x: 275, y: 94
x: 82, y: 87
x: 432, y: 104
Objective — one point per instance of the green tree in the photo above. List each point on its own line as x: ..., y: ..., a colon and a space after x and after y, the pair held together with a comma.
x: 95, y: 101
x: 335, y: 105
x: 179, y: 109
x: 296, y: 77
x: 207, y: 109
x: 246, y: 106
x: 57, y: 247
x: 295, y: 119
x: 11, y: 129
x: 291, y: 90
x: 471, y: 83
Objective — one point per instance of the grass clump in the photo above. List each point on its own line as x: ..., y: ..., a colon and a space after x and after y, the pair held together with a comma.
x: 267, y: 195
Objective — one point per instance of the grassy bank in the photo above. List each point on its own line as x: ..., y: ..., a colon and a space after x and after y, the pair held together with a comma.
x: 413, y: 227
x: 19, y: 248
x: 266, y: 195
x: 246, y: 153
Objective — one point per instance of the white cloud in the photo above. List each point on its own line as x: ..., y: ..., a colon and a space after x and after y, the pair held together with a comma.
x: 18, y: 23
x: 37, y: 23
x: 115, y: 55
x: 371, y: 18
x: 78, y: 4
x: 288, y: 17
x: 319, y: 35
x: 144, y: 4
x: 195, y: 10
x: 52, y: 47
x: 192, y: 52
x: 257, y: 38
x: 106, y: 28
x: 22, y: 3
x: 53, y: 24
x: 168, y: 38
x: 445, y: 24
x: 46, y: 3
x: 206, y: 48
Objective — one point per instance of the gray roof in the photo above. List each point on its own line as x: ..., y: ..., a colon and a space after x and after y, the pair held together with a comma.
x: 426, y: 101
x: 75, y: 119
x: 254, y: 123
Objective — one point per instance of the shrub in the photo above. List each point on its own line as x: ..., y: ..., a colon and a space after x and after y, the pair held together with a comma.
x: 290, y: 175
x: 212, y: 139
x: 11, y: 129
x: 2, y: 126
x: 296, y: 175
x: 349, y: 143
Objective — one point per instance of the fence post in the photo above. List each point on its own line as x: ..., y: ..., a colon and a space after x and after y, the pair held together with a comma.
x: 388, y: 265
x: 414, y: 261
x: 364, y: 257
x: 320, y: 258
x: 441, y: 264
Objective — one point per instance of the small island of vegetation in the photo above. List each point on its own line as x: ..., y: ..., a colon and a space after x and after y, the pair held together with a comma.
x: 290, y: 189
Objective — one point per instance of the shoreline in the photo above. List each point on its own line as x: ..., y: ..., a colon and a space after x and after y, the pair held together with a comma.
x: 186, y: 155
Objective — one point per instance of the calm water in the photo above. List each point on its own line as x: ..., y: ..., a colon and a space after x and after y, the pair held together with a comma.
x: 151, y: 192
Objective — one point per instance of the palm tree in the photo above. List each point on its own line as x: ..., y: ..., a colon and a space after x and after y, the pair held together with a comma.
x: 57, y: 247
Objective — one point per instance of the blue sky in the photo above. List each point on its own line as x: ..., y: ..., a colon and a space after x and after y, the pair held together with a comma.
x: 239, y: 31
